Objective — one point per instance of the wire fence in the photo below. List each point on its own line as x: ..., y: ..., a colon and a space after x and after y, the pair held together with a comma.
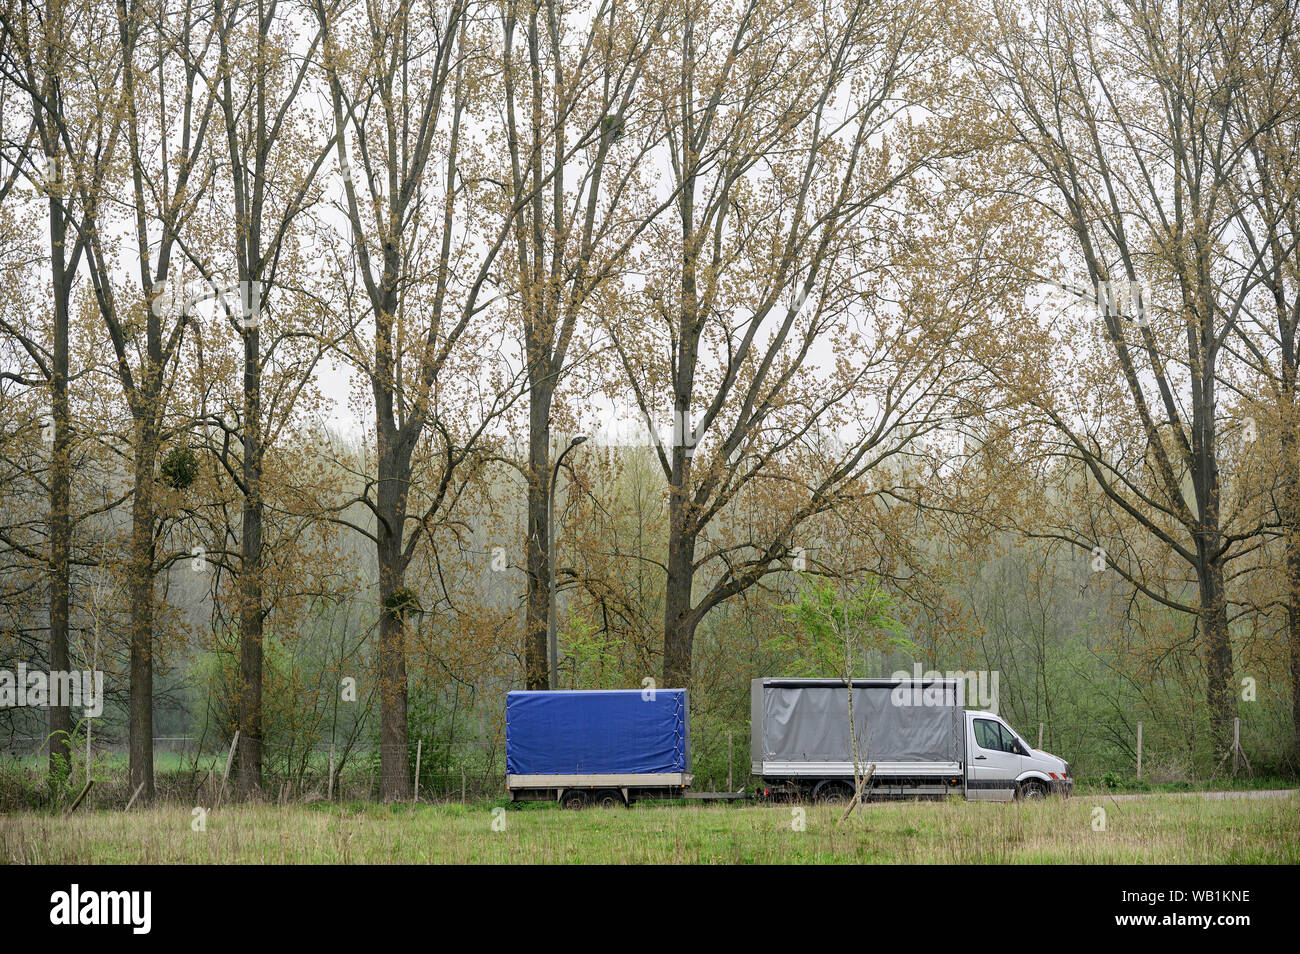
x: 461, y: 769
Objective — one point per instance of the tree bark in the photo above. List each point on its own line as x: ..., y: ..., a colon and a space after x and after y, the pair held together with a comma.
x: 680, y: 619
x: 1291, y: 521
x: 1293, y: 629
x: 1209, y: 536
x: 60, y: 748
x: 1290, y: 507
x: 536, y: 661
x: 251, y: 613
x: 1218, y: 658
x: 391, y: 502
x: 142, y: 611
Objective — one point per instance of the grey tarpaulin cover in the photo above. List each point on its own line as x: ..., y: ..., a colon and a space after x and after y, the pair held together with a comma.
x: 897, y: 720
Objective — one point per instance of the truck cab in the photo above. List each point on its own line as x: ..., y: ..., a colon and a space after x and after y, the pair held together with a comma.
x: 1001, y: 765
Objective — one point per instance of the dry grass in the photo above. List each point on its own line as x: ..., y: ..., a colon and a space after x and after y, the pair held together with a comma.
x: 1157, y: 830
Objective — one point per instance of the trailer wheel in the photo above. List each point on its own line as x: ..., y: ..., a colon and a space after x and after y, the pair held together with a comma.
x: 832, y: 792
x: 575, y: 799
x: 608, y: 798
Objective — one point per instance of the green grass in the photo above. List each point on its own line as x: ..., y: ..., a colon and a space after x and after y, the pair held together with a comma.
x: 1157, y: 830
x: 163, y: 762
x: 1228, y: 783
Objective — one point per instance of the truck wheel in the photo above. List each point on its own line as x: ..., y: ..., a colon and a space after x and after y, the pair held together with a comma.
x: 832, y: 793
x: 575, y: 799
x: 1031, y: 790
x: 608, y: 798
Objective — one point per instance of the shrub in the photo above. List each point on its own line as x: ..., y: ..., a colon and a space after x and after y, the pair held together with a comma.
x: 179, y: 468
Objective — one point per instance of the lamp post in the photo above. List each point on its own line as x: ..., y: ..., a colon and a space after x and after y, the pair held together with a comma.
x: 552, y: 649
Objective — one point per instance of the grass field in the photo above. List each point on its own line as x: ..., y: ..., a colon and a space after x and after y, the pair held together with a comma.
x: 1154, y: 830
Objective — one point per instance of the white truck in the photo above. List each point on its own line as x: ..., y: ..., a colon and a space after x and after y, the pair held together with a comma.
x: 917, y: 733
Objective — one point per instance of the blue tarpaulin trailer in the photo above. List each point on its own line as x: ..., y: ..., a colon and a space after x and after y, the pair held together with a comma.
x: 605, y: 747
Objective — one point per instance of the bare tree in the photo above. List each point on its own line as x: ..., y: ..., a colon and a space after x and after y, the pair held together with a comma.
x: 577, y: 141
x: 755, y: 320
x: 271, y: 160
x: 402, y: 81
x: 1261, y: 103
x: 1116, y: 112
x: 35, y: 58
x: 164, y: 108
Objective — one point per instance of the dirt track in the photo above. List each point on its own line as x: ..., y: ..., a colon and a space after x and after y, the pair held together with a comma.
x: 1261, y: 793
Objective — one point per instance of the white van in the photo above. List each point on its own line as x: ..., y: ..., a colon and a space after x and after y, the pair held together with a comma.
x: 916, y: 732
x: 997, y: 756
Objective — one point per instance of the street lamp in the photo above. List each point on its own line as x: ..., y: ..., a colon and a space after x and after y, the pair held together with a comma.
x: 552, y: 650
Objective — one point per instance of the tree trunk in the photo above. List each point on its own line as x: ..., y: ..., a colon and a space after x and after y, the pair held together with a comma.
x: 538, y: 601
x: 142, y: 612
x: 679, y: 618
x: 1220, y: 690
x: 394, y: 479
x: 1293, y: 627
x: 60, y: 748
x: 1218, y: 659
x: 250, y: 579
x: 393, y: 767
x: 1291, y: 522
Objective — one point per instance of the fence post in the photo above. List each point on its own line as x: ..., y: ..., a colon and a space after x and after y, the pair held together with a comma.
x: 729, y: 760
x: 230, y: 758
x: 136, y: 794
x: 1040, y: 735
x: 419, y: 749
x: 330, y: 796
x: 1236, y: 742
x: 85, y: 791
x: 1139, y: 750
x: 462, y: 786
